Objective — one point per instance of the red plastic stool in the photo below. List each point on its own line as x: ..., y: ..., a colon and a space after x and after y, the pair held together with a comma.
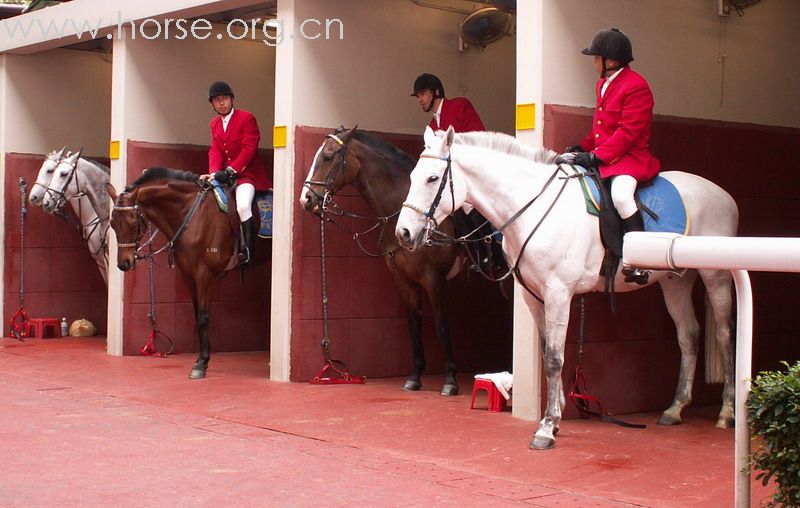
x: 45, y: 328
x: 496, y: 401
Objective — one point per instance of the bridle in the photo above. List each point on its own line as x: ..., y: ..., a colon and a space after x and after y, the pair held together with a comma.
x: 329, y: 208
x: 169, y: 246
x: 431, y: 226
x: 62, y: 193
x: 340, y: 166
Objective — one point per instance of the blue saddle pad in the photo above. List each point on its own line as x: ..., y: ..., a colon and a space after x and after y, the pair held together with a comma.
x: 264, y: 202
x: 659, y: 196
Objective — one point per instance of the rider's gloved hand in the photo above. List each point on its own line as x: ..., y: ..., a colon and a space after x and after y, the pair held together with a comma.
x: 587, y: 160
x: 574, y: 148
x: 566, y: 158
x: 227, y: 175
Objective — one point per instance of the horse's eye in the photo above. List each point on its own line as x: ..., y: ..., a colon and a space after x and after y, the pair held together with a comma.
x: 433, y: 178
x: 327, y: 157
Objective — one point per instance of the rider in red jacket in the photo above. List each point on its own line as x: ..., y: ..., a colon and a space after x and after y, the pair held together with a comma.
x: 458, y: 112
x: 234, y: 153
x: 618, y: 144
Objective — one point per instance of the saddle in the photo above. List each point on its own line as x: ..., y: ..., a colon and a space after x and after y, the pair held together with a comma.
x: 261, y: 208
x: 661, y: 205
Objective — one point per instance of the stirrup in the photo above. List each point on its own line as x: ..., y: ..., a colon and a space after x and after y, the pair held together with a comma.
x: 636, y: 276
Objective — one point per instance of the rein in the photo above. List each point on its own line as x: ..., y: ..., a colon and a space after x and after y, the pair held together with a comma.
x: 169, y: 246
x: 515, y: 270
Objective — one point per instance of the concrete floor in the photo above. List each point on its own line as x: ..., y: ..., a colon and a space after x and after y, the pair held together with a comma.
x: 81, y: 428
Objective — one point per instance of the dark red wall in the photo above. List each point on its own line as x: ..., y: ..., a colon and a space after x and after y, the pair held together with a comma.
x: 632, y: 356
x: 367, y: 320
x: 61, y: 278
x: 240, y: 308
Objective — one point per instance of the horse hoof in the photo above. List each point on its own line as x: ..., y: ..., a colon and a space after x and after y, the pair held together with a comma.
x: 412, y: 386
x: 197, y: 374
x: 668, y: 420
x: 449, y: 390
x: 726, y: 422
x: 542, y: 443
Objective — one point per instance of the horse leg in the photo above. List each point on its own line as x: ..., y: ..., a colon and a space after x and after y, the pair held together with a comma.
x: 678, y: 298
x: 438, y: 296
x: 201, y: 297
x: 718, y: 285
x: 556, y: 318
x: 411, y: 297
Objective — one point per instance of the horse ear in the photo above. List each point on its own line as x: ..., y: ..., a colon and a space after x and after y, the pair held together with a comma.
x: 429, y: 136
x: 60, y: 153
x: 112, y: 192
x: 449, y: 137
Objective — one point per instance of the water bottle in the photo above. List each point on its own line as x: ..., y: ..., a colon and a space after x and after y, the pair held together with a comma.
x: 64, y: 327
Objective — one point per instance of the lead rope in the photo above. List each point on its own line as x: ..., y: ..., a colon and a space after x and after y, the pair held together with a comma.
x: 22, y: 329
x: 339, y: 373
x: 578, y: 394
x: 149, y: 349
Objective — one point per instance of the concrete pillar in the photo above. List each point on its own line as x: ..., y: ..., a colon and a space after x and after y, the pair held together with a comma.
x: 281, y: 301
x: 527, y: 354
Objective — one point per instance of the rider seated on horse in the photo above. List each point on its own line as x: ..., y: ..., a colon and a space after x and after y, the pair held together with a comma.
x: 460, y: 114
x: 618, y: 143
x: 233, y: 158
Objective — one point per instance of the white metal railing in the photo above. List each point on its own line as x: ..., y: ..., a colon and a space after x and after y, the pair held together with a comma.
x: 737, y: 254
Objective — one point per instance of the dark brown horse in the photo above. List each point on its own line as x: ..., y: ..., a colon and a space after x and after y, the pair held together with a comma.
x: 380, y: 172
x: 202, y: 241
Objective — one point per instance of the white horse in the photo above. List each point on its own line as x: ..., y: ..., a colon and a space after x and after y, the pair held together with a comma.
x: 44, y: 176
x: 82, y: 183
x: 556, y: 247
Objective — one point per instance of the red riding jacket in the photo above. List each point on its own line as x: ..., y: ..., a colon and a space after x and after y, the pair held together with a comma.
x: 459, y: 113
x: 237, y: 147
x: 620, y: 134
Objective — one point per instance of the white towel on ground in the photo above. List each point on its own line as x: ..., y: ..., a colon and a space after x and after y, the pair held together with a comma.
x: 504, y: 381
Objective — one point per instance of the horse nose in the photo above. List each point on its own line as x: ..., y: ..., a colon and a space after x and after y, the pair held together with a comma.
x: 124, y: 265
x: 404, y: 235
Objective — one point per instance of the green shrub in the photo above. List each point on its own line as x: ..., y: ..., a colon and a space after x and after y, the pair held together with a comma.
x: 773, y: 412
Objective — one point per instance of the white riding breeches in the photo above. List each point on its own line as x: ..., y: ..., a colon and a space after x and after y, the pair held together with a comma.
x: 622, y: 190
x: 245, y: 192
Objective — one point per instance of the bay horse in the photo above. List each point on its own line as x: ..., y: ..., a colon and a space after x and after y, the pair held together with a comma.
x: 380, y: 172
x: 202, y: 241
x: 556, y: 249
x: 69, y: 178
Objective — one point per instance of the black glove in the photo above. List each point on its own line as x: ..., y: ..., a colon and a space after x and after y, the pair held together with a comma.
x: 574, y: 149
x: 587, y: 160
x: 227, y: 175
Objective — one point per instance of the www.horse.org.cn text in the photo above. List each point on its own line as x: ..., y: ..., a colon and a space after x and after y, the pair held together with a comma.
x: 272, y: 32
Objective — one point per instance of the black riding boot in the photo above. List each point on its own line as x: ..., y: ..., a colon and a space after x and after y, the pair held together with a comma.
x: 635, y: 223
x: 248, y: 235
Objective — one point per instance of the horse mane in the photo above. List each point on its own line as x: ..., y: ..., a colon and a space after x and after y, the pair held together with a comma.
x: 160, y: 173
x: 385, y: 149
x: 102, y: 167
x: 502, y: 142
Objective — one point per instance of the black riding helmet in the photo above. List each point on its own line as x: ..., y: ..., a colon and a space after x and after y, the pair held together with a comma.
x: 611, y: 43
x: 219, y: 88
x: 428, y: 82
